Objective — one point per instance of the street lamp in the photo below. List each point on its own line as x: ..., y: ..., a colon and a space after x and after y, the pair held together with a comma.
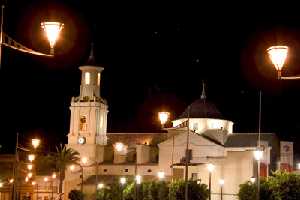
x: 35, y: 142
x: 163, y: 117
x: 161, y: 175
x: 119, y: 146
x: 252, y: 179
x: 100, y: 186
x: 138, y: 179
x: 31, y: 157
x: 278, y: 55
x: 1, y: 184
x: 72, y: 168
x: 258, y: 155
x: 210, y: 167
x: 29, y: 175
x: 29, y: 166
x: 52, y: 30
x: 221, y: 182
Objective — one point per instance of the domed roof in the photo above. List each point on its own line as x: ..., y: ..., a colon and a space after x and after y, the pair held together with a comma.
x: 201, y: 108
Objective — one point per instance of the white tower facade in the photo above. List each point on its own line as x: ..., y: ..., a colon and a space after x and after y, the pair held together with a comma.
x: 88, y: 124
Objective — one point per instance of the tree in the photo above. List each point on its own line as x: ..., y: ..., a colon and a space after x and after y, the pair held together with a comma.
x: 75, y: 195
x: 63, y: 157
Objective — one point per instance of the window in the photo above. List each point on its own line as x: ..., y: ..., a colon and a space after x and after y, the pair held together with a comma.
x: 126, y: 170
x: 105, y: 170
x: 87, y: 78
x: 149, y: 170
x: 83, y: 123
x: 98, y: 79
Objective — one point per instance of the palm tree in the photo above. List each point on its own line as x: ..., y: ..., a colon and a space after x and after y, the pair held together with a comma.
x: 63, y: 157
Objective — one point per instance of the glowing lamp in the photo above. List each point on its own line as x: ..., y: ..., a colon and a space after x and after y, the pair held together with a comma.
x: 138, y: 179
x: 52, y: 30
x: 163, y: 117
x: 252, y: 179
x: 31, y: 157
x: 46, y: 179
x: 72, y: 167
x: 119, y: 146
x: 161, y: 175
x: 26, y: 179
x: 278, y: 55
x: 210, y: 167
x: 35, y: 142
x: 54, y: 175
x: 123, y: 180
x: 84, y: 160
x: 100, y: 186
x: 11, y: 180
x: 29, y: 175
x: 33, y: 183
x: 221, y: 182
x: 1, y: 184
x: 258, y: 154
x: 29, y: 166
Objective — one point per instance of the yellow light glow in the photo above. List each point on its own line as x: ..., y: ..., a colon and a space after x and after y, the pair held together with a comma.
x: 54, y: 175
x: 84, y: 160
x: 163, y: 117
x: 210, y: 167
x: 119, y: 146
x: 1, y: 184
x: 29, y: 166
x: 138, y: 179
x: 258, y: 154
x: 87, y: 78
x: 252, y: 179
x: 11, y: 180
x: 52, y: 30
x: 100, y: 186
x: 72, y: 167
x: 31, y: 157
x: 278, y: 55
x: 46, y: 179
x: 26, y: 179
x: 161, y: 175
x: 33, y: 183
x: 35, y: 142
x: 29, y: 175
x: 123, y: 180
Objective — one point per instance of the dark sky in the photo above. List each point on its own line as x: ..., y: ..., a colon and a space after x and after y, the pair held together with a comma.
x: 155, y: 57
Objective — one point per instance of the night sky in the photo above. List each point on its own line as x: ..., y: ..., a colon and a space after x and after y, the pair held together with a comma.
x: 155, y: 57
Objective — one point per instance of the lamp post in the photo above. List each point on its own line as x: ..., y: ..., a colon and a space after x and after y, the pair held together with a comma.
x: 31, y: 158
x: 122, y: 182
x: 221, y: 182
x: 161, y: 175
x: 72, y: 169
x: 187, y: 157
x: 258, y: 154
x: 252, y: 179
x: 52, y: 30
x: 164, y: 117
x: 210, y: 168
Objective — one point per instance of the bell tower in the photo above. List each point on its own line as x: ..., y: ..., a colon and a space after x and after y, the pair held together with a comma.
x: 88, y: 122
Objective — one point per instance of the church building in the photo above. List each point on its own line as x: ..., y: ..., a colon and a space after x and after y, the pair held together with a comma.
x: 106, y: 157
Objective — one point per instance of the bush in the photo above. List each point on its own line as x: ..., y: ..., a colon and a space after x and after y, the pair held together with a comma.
x: 279, y: 186
x: 195, y: 191
x: 75, y: 195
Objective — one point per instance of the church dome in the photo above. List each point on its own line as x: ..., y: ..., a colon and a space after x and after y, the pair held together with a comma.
x: 201, y: 108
